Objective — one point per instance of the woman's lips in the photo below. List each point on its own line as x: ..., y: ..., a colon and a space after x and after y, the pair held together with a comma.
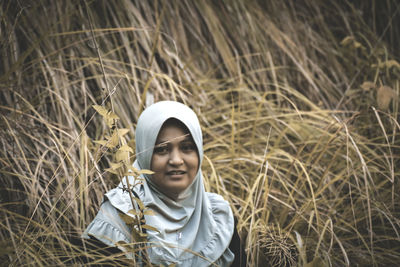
x: 176, y: 174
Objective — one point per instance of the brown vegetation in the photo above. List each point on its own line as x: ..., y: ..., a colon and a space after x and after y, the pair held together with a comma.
x: 298, y: 100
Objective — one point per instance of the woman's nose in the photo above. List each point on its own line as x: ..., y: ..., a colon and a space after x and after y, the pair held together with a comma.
x: 175, y: 157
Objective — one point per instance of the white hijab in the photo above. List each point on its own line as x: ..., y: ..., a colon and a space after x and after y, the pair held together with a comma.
x: 196, y: 228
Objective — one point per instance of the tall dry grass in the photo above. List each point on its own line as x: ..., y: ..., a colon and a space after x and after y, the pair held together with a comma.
x: 298, y: 104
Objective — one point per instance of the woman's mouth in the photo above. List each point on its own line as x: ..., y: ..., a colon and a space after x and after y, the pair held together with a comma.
x: 176, y: 174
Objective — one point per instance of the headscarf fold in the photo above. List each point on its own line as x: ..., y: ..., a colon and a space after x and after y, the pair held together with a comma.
x: 196, y: 228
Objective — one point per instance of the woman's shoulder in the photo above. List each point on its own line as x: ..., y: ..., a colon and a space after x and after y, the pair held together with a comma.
x: 216, y: 198
x: 236, y: 246
x: 107, y: 226
x: 219, y: 204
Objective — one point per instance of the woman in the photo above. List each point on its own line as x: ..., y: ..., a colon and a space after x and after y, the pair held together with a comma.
x: 194, y: 227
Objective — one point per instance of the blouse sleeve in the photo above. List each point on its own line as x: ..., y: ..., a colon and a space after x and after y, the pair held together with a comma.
x: 108, y: 227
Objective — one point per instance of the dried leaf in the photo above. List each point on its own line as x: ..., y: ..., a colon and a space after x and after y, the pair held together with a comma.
x: 101, y: 142
x: 127, y: 219
x: 133, y: 212
x: 112, y: 171
x: 115, y: 166
x: 109, y: 116
x: 121, y: 155
x: 133, y: 171
x: 105, y: 113
x: 126, y: 148
x: 137, y: 179
x: 144, y: 171
x: 138, y: 236
x: 122, y: 132
x: 350, y: 42
x: 121, y: 243
x: 149, y: 212
x: 131, y: 143
x: 127, y: 247
x: 113, y: 140
x: 148, y: 227
x: 347, y: 40
x: 393, y: 63
x: 387, y: 64
x: 367, y: 86
x: 101, y: 110
x: 110, y: 122
x: 384, y: 96
x: 140, y: 203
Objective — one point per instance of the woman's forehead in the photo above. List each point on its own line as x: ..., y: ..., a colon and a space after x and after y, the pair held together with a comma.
x: 173, y: 130
x: 173, y: 122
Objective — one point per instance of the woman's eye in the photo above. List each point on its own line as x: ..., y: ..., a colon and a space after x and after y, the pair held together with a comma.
x: 161, y: 149
x: 188, y: 147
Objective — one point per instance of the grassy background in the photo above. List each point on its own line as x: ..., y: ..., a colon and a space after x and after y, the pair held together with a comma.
x: 298, y: 100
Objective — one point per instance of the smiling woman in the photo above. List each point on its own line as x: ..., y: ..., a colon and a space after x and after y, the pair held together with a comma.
x: 188, y: 226
x: 175, y: 160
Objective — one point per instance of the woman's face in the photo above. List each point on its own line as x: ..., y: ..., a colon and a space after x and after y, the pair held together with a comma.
x: 175, y: 160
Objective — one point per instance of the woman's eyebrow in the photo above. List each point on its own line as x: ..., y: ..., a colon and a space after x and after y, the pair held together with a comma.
x: 187, y: 138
